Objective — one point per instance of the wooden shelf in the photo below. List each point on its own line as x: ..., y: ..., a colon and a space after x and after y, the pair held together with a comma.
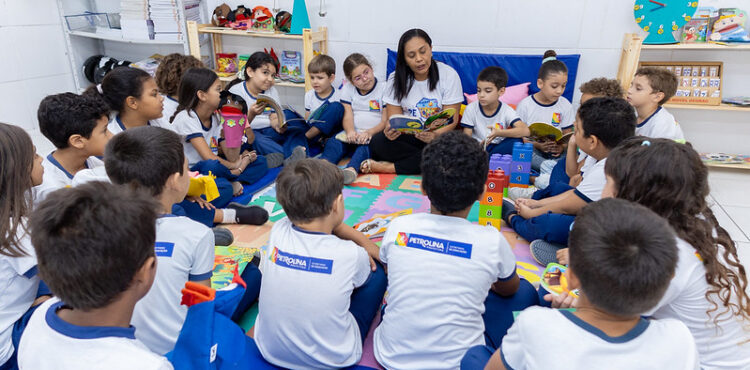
x: 101, y: 36
x: 737, y: 166
x: 727, y: 107
x: 277, y: 83
x: 706, y: 46
x: 202, y: 28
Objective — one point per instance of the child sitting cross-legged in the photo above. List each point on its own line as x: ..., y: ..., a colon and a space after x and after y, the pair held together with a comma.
x: 320, y: 291
x: 451, y: 284
x: 494, y: 124
x: 622, y: 257
x: 152, y: 160
x: 95, y: 249
x: 600, y: 125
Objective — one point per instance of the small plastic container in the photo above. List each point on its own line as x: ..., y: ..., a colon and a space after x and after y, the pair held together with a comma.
x: 87, y: 21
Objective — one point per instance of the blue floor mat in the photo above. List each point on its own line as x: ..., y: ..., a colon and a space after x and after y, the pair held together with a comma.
x: 249, y: 190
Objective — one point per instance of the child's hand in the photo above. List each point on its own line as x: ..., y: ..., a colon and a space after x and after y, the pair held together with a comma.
x: 363, y: 138
x: 525, y: 211
x: 552, y: 147
x: 351, y: 137
x: 572, y: 141
x: 373, y: 252
x: 256, y: 109
x: 438, y: 123
x: 561, y: 301
x: 531, y: 203
x: 274, y: 118
x: 252, y: 155
x: 562, y: 256
x: 201, y: 202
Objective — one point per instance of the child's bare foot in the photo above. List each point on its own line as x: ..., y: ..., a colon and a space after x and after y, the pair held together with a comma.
x: 236, y: 188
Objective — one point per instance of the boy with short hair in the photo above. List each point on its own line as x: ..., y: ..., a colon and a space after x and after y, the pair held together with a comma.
x: 622, y: 258
x: 152, y: 160
x: 488, y: 120
x: 600, y: 125
x: 77, y: 126
x: 650, y: 89
x: 451, y: 284
x: 327, y: 122
x: 320, y: 291
x: 95, y: 248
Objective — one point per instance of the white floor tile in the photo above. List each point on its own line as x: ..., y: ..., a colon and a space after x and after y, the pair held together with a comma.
x: 728, y: 223
x: 730, y: 190
x: 741, y: 217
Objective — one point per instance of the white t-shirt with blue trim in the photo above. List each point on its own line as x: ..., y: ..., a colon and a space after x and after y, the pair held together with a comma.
x: 440, y: 270
x: 184, y: 252
x: 17, y: 290
x: 593, y: 180
x: 313, y: 101
x: 261, y: 121
x: 559, y: 114
x: 50, y: 343
x: 545, y: 338
x: 189, y: 126
x: 56, y: 176
x: 661, y: 124
x: 115, y: 125
x: 367, y: 109
x: 482, y: 124
x: 722, y: 346
x: 420, y: 101
x: 303, y: 310
x: 170, y: 106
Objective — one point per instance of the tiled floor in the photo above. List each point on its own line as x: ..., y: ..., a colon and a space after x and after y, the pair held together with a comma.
x: 731, y: 204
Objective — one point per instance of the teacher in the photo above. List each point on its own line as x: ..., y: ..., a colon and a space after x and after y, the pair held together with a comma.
x: 419, y: 87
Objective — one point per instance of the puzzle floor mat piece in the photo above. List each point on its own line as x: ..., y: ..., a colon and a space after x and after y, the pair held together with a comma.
x: 370, y: 195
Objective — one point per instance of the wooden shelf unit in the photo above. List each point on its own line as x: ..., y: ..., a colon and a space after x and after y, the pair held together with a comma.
x: 309, y: 38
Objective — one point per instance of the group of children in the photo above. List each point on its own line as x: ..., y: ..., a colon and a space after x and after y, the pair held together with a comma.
x: 659, y: 281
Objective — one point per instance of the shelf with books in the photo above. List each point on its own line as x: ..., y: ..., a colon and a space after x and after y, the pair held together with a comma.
x: 309, y: 40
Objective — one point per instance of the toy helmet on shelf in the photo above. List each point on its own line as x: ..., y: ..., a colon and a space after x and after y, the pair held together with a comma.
x: 97, y: 66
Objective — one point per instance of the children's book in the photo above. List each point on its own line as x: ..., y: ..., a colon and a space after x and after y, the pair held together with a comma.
x: 737, y: 100
x: 275, y: 106
x: 375, y: 227
x: 695, y: 31
x: 555, y: 281
x: 541, y: 131
x: 413, y: 125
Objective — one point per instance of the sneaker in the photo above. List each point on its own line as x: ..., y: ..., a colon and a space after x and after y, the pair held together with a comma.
x: 222, y: 236
x: 544, y: 252
x: 274, y: 160
x: 349, y: 175
x: 249, y: 215
x: 508, y: 209
x: 298, y: 153
x: 518, y: 193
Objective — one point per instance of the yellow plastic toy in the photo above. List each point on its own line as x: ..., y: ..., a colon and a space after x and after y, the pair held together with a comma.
x: 203, y: 185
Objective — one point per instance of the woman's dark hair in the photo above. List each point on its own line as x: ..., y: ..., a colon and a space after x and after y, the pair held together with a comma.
x: 551, y: 66
x: 404, y: 76
x: 194, y: 80
x: 670, y: 179
x: 353, y: 61
x: 120, y: 83
x: 16, y: 162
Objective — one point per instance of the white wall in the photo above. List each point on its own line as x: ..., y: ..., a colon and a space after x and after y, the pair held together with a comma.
x: 593, y: 28
x: 34, y: 61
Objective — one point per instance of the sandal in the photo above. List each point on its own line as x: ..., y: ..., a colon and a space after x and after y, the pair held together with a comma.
x: 365, y: 166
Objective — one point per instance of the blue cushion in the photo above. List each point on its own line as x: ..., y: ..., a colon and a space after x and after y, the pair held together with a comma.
x: 520, y: 68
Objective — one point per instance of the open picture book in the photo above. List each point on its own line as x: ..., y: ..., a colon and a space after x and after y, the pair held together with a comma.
x: 413, y: 125
x: 541, y: 132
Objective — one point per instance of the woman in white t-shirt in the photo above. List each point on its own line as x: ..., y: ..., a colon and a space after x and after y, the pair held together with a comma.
x: 419, y: 87
x: 709, y: 289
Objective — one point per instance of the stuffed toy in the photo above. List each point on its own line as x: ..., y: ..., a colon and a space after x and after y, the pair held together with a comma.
x: 219, y: 18
x: 730, y: 28
x: 262, y: 19
x: 283, y: 21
